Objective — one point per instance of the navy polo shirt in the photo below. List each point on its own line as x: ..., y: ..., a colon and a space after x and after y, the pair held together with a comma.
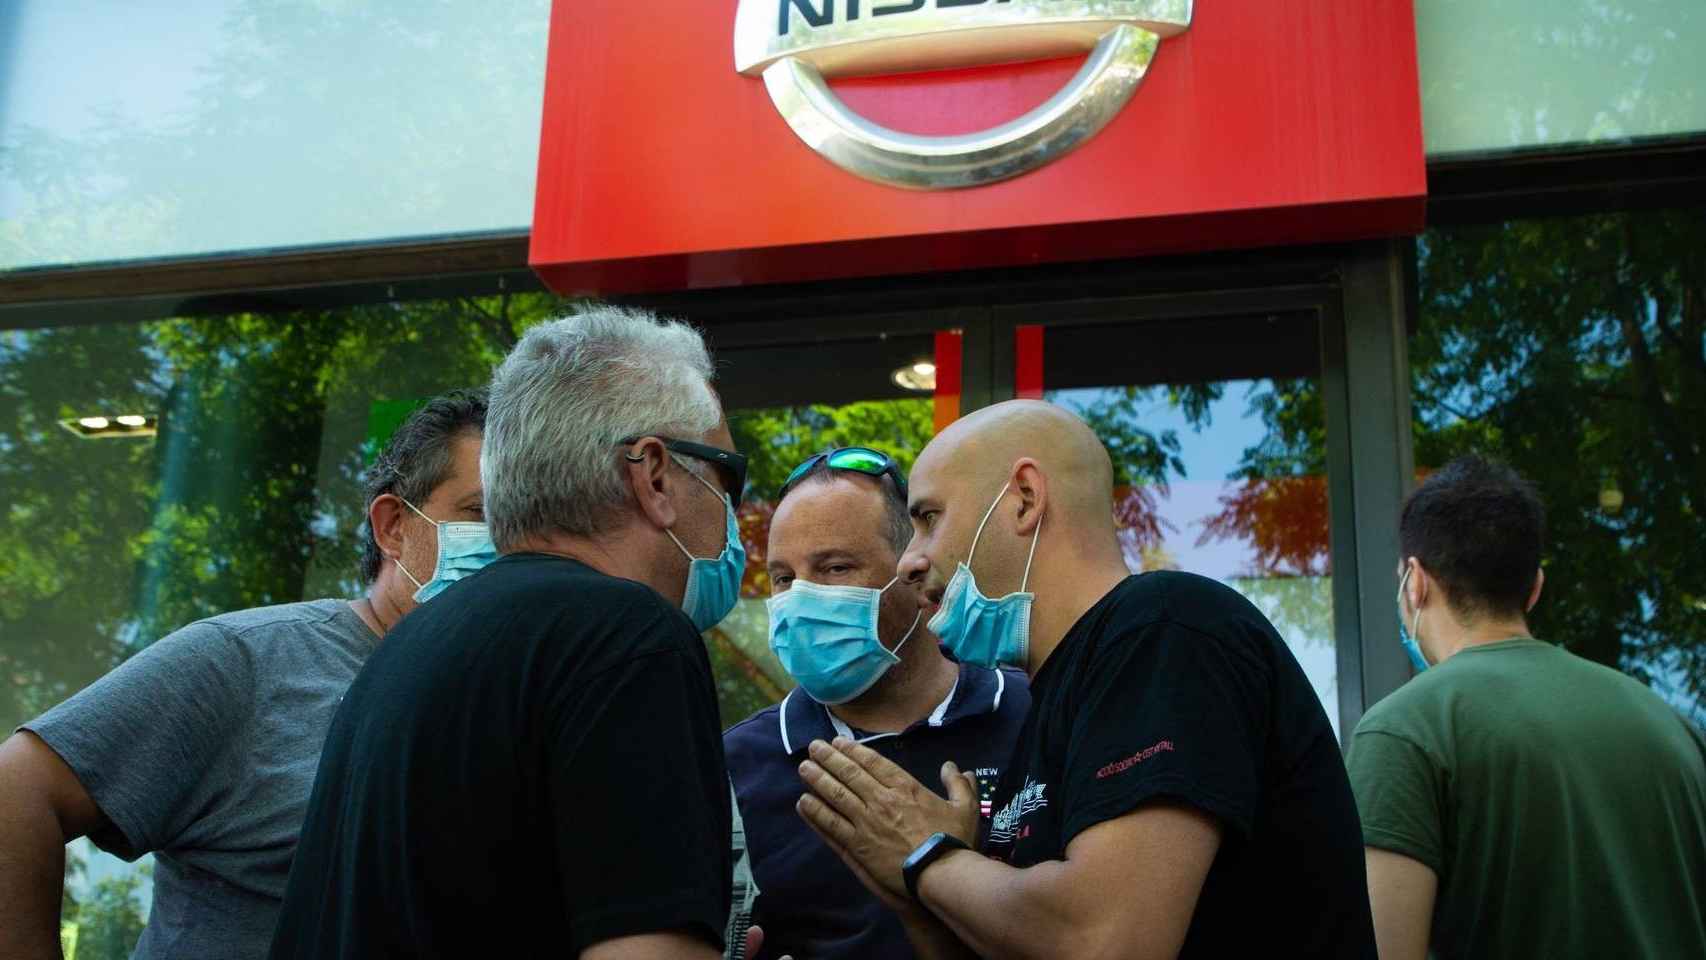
x: 809, y: 904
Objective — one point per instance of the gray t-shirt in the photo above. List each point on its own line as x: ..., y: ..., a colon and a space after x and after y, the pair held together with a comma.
x: 202, y: 750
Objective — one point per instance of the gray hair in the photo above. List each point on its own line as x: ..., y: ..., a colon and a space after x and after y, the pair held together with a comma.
x: 562, y: 402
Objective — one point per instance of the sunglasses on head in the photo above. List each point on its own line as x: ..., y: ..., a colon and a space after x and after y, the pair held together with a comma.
x: 731, y: 465
x: 871, y: 463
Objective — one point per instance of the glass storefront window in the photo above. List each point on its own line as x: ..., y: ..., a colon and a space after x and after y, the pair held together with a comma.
x: 1574, y: 349
x: 1217, y: 433
x: 197, y: 127
x: 1543, y: 73
x: 239, y: 488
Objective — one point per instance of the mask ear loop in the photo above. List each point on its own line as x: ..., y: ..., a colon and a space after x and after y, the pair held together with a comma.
x: 1026, y: 579
x: 980, y: 524
x: 1416, y: 618
x: 727, y: 505
x: 435, y: 525
x: 909, y: 630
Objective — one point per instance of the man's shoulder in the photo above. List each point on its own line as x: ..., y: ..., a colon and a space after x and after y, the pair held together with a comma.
x: 283, y: 631
x: 251, y: 629
x: 1409, y: 711
x: 1180, y: 598
x: 1172, y: 606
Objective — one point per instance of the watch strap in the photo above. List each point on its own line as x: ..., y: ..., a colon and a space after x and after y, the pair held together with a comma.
x: 926, y: 853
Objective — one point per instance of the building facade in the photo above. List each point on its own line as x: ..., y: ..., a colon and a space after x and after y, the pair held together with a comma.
x: 238, y: 241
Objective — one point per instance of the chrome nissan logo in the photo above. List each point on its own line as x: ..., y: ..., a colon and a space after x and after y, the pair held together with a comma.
x: 797, y: 46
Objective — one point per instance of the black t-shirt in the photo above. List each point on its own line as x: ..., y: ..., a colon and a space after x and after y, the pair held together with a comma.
x: 531, y: 757
x: 1175, y: 687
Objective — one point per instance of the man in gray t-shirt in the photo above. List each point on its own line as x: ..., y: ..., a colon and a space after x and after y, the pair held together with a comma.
x: 202, y: 749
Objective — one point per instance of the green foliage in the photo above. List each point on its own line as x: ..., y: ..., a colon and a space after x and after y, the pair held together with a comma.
x: 777, y: 439
x: 1575, y: 350
x: 109, y: 921
x: 250, y: 494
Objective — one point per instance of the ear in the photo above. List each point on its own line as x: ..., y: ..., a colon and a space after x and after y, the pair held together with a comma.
x: 385, y: 516
x: 1032, y: 487
x: 646, y: 467
x: 1534, y: 594
x: 1420, y: 585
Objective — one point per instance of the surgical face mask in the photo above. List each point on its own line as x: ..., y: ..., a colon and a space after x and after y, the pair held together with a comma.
x: 463, y: 549
x: 1407, y: 638
x: 826, y: 638
x: 713, y: 585
x: 981, y: 631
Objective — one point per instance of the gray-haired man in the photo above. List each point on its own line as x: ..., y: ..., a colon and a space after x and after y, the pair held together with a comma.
x: 534, y: 758
x: 202, y: 748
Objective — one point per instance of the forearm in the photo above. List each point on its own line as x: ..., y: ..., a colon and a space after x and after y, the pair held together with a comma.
x: 32, y: 877
x: 1004, y: 912
x: 932, y: 940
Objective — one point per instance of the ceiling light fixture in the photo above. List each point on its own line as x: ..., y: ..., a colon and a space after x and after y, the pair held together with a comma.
x: 100, y: 427
x: 919, y: 376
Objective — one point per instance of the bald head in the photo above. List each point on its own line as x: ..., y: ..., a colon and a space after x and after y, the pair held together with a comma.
x: 981, y: 449
x: 1021, y: 494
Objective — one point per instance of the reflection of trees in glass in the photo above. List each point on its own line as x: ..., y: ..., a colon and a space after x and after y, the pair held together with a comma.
x: 107, y: 922
x: 1528, y: 72
x: 305, y: 97
x: 251, y: 493
x: 1279, y: 505
x: 777, y: 439
x: 106, y: 545
x: 1575, y: 349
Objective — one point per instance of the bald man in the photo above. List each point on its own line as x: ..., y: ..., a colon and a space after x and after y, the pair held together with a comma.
x: 1176, y: 790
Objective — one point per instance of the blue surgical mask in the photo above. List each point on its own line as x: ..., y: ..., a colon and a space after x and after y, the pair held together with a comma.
x: 1407, y: 638
x: 713, y: 585
x: 826, y: 638
x: 463, y: 549
x: 981, y: 631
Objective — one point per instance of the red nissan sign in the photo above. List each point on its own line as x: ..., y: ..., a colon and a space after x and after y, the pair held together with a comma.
x: 827, y: 140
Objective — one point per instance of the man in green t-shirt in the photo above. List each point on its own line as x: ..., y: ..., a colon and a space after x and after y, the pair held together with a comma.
x: 1517, y: 800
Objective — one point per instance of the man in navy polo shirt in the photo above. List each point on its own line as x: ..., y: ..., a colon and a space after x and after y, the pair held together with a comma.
x: 868, y: 669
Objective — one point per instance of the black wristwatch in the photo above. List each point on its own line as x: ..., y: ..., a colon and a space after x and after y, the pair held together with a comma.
x: 927, y: 853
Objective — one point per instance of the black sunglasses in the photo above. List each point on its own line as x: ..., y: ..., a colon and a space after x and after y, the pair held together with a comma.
x: 871, y: 463
x: 731, y: 463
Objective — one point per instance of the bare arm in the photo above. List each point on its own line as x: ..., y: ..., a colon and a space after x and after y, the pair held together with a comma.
x: 871, y: 812
x: 1401, y: 890
x: 652, y: 946
x: 1064, y: 908
x: 42, y: 808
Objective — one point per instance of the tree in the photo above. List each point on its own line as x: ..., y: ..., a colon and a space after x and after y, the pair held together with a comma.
x: 1575, y: 350
x: 108, y: 922
x: 249, y: 495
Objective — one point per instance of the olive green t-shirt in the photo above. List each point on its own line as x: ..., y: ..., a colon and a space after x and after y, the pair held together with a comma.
x: 1561, y: 804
